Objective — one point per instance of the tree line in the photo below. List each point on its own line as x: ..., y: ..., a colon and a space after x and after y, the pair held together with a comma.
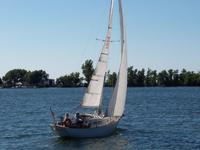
x: 22, y: 77
x: 136, y: 78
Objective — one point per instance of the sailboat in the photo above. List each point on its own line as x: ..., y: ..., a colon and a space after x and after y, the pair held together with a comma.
x: 99, y: 123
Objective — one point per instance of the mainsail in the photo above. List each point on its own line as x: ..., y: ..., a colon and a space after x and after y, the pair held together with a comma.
x: 93, y: 95
x: 117, y: 102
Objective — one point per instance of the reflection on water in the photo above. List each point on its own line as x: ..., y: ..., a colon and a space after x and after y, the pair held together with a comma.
x: 114, y: 142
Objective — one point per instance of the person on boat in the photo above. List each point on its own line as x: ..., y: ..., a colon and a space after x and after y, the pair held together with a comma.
x: 67, y: 121
x: 79, y: 120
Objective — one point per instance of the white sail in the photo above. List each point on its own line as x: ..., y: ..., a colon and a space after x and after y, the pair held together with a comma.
x: 117, y: 102
x: 93, y: 95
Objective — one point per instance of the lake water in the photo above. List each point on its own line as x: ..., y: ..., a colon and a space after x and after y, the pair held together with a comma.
x: 155, y: 118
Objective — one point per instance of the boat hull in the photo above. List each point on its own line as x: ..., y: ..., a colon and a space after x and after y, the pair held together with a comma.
x: 101, y: 131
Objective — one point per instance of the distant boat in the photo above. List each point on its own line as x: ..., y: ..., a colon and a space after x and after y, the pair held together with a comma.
x: 99, y: 123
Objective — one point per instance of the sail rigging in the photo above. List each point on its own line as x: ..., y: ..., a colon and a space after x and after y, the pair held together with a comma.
x: 93, y: 95
x: 118, y: 99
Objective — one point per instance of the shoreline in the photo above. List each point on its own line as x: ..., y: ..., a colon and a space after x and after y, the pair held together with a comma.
x: 105, y: 87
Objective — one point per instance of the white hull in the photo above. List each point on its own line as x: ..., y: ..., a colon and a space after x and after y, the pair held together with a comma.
x: 84, y: 132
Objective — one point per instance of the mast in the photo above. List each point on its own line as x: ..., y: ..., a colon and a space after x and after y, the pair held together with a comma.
x: 117, y: 102
x: 93, y: 95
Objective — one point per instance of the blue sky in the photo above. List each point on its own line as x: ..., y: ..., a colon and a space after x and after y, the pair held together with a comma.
x: 58, y: 35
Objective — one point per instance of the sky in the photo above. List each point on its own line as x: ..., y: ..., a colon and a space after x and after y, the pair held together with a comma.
x: 59, y: 35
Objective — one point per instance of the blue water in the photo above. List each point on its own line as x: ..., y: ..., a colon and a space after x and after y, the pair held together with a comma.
x: 155, y: 118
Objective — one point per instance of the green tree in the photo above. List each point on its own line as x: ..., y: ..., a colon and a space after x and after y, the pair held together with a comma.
x: 132, y: 77
x: 64, y: 81
x: 163, y: 79
x: 87, y: 70
x: 14, y: 76
x: 112, y: 78
x: 176, y: 79
x: 189, y: 78
x: 141, y: 78
x: 72, y: 80
x: 173, y: 78
x: 76, y: 79
x: 37, y: 78
x: 170, y: 78
x: 182, y: 77
x: 198, y: 78
x: 151, y: 78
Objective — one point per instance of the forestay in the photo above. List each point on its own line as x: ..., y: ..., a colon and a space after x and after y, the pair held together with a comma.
x: 117, y: 102
x: 93, y: 95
